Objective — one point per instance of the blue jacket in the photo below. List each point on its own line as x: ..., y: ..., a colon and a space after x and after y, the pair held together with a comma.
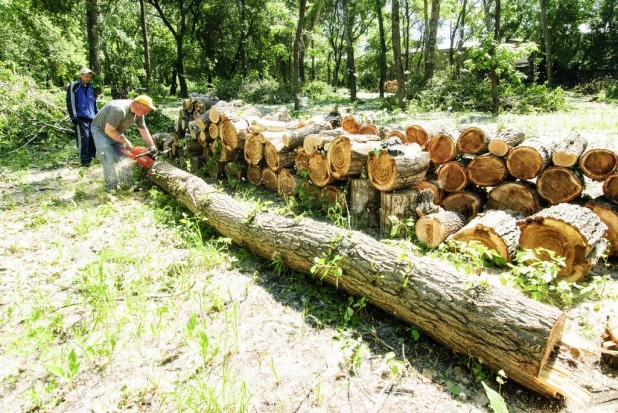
x: 81, y: 101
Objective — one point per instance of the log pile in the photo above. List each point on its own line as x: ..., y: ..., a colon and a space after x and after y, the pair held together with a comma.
x: 376, y: 175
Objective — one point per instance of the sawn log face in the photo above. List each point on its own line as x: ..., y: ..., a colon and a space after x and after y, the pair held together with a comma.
x: 507, y: 330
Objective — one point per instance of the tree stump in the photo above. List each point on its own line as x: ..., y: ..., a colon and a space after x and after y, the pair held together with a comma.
x: 497, y: 230
x: 521, y: 197
x: 399, y: 204
x: 364, y: 204
x: 557, y: 184
x: 487, y: 170
x: 502, y: 143
x: 573, y: 232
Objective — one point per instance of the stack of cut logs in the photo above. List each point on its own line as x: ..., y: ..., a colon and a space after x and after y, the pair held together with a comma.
x: 502, y: 190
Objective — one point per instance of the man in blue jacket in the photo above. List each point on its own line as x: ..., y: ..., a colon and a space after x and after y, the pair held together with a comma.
x: 82, y: 107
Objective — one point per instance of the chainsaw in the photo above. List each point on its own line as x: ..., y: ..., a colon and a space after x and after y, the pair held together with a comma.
x: 140, y: 154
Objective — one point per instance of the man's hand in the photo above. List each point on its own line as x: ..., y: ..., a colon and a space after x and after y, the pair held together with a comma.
x: 127, y: 144
x: 153, y: 151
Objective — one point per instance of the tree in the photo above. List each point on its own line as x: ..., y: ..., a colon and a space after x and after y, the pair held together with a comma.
x: 348, y: 19
x: 92, y: 22
x: 547, y: 40
x: 297, y: 39
x: 382, y: 54
x: 185, y: 13
x: 430, y: 47
x: 145, y: 43
x: 401, y: 78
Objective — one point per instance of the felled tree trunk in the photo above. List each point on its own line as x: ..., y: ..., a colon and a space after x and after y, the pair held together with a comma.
x: 528, y: 159
x: 441, y: 148
x: 608, y: 213
x: 598, y: 161
x: 497, y: 230
x: 557, y: 184
x: 503, y: 328
x: 417, y: 134
x: 567, y: 153
x: 389, y: 173
x: 399, y: 204
x: 277, y: 155
x: 452, y: 176
x: 487, y: 170
x: 501, y: 144
x: 433, y: 229
x: 364, y: 204
x: 473, y: 141
x: 517, y: 196
x: 294, y: 139
x: 573, y: 232
x: 467, y: 203
x: 347, y: 157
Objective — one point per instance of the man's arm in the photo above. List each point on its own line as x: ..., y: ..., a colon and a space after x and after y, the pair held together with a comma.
x: 113, y: 133
x: 145, y: 134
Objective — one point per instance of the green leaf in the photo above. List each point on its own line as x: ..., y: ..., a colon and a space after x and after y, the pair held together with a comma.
x: 496, y: 402
x: 56, y: 370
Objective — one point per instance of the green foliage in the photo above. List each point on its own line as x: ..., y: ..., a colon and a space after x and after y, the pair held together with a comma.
x: 266, y: 91
x: 496, y: 402
x: 506, y: 54
x: 524, y: 99
x: 317, y: 89
x: 227, y: 89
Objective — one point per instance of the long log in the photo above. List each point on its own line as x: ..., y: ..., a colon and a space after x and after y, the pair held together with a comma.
x: 502, y: 143
x: 567, y: 152
x: 503, y: 328
x: 528, y: 159
x: 389, y: 173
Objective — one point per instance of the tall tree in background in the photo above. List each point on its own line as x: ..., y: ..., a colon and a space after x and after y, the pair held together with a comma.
x: 458, y: 31
x: 335, y: 38
x: 297, y: 63
x: 92, y: 17
x: 382, y: 56
x: 348, y: 19
x: 145, y: 43
x: 430, y: 47
x: 401, y: 78
x: 183, y: 11
x: 493, y: 75
x: 547, y: 40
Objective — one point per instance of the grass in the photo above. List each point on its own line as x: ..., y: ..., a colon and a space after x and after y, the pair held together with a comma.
x: 137, y: 290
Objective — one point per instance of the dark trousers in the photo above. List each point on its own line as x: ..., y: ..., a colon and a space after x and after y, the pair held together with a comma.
x: 85, y: 141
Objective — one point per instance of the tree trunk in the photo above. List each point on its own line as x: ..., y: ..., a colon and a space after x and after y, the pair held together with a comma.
x: 296, y: 138
x: 145, y: 44
x: 573, y: 232
x: 92, y: 28
x: 348, y: 23
x: 430, y: 51
x: 364, y: 204
x: 382, y: 56
x: 297, y: 39
x: 460, y: 41
x: 557, y: 184
x: 547, y: 40
x: 517, y: 196
x: 501, y: 144
x: 278, y: 155
x: 433, y: 229
x: 487, y: 170
x: 399, y: 204
x: 396, y: 40
x: 495, y: 229
x: 493, y: 75
x: 389, y: 173
x: 528, y: 159
x: 418, y: 290
x: 473, y: 141
x: 567, y: 152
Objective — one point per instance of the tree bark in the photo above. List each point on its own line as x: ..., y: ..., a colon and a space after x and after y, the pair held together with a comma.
x: 396, y: 40
x: 389, y: 173
x: 573, y: 232
x: 297, y: 39
x: 430, y: 50
x: 567, y: 152
x: 92, y: 29
x: 382, y: 56
x: 501, y: 144
x: 503, y: 328
x: 547, y: 41
x: 146, y: 46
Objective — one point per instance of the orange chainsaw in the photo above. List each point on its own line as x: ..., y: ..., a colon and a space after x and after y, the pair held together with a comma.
x: 140, y: 154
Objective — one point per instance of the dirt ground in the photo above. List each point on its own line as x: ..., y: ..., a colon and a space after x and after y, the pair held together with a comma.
x: 109, y: 279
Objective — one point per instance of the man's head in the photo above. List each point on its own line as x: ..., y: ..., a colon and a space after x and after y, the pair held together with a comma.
x: 142, y: 105
x: 85, y: 75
